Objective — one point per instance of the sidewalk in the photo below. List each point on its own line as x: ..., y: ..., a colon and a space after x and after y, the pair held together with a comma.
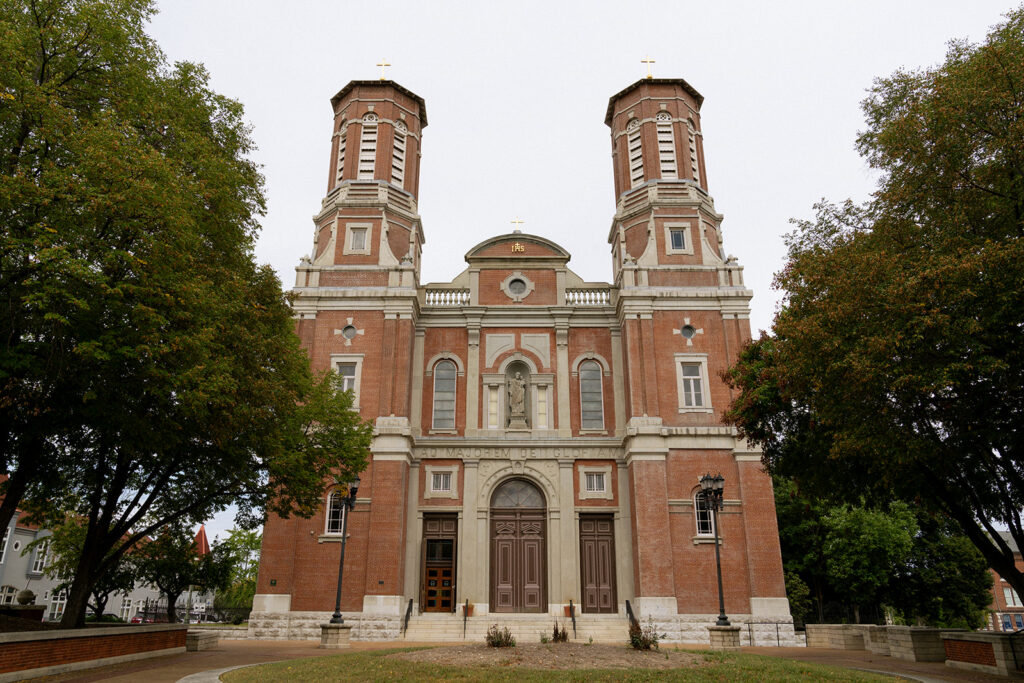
x: 867, y: 661
x: 232, y: 653
x: 229, y: 653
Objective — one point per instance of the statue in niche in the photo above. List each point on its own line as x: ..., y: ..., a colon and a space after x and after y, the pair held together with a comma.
x: 517, y: 387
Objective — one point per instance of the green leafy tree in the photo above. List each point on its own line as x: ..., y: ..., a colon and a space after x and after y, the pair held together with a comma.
x: 172, y: 563
x: 800, y: 601
x: 895, y: 368
x: 242, y: 547
x: 64, y: 547
x: 149, y: 372
x: 802, y: 541
x: 945, y: 581
x: 864, y: 547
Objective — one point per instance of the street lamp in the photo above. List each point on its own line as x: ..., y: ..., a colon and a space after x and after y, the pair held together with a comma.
x: 712, y: 489
x: 348, y: 501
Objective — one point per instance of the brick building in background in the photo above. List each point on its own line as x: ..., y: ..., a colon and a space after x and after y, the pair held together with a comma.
x: 539, y: 438
x: 1007, y: 612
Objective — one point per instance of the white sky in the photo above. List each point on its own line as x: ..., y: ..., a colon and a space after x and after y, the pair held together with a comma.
x: 516, y: 95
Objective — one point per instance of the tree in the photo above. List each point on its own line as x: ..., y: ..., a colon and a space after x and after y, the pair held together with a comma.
x: 802, y: 542
x: 64, y: 547
x: 173, y: 564
x: 945, y: 581
x: 863, y: 548
x: 895, y: 368
x: 242, y: 547
x: 149, y: 371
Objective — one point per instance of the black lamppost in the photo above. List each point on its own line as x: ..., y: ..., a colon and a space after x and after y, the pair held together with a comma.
x: 712, y: 488
x: 348, y: 501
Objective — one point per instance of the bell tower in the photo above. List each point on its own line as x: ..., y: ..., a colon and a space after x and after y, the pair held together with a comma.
x: 664, y: 215
x: 368, y: 218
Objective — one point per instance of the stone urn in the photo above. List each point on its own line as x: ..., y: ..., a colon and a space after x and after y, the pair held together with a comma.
x: 26, y: 597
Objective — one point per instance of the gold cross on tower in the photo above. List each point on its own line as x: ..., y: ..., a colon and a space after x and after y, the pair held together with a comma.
x: 648, y: 61
x: 516, y: 222
x: 383, y: 63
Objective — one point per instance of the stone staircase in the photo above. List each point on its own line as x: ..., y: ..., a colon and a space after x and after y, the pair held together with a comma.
x: 527, y: 628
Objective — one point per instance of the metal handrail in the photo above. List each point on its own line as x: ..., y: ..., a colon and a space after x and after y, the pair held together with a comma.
x: 572, y: 615
x: 408, y: 614
x: 632, y: 617
x: 465, y: 618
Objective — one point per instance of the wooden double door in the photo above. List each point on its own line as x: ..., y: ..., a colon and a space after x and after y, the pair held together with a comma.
x: 518, y: 560
x: 439, y: 536
x: 597, y: 564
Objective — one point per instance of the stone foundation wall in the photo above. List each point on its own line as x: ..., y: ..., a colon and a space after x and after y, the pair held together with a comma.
x: 916, y: 644
x: 988, y: 651
x: 306, y: 625
x: 693, y: 628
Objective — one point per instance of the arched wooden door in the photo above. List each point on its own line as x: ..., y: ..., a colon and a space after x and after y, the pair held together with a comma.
x: 518, y: 548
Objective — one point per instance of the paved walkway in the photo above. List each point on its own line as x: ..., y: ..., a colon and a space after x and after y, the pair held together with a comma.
x: 234, y: 653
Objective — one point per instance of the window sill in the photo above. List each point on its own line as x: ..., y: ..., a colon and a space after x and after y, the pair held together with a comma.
x: 443, y: 431
x: 702, y: 540
x: 331, y: 538
x: 696, y: 410
x: 596, y: 432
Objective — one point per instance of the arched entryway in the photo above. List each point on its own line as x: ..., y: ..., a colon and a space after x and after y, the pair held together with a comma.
x: 518, y: 548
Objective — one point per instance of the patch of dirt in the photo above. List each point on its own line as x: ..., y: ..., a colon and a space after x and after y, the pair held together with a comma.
x: 556, y: 656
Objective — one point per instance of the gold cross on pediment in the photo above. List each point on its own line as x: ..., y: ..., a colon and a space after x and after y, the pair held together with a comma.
x: 517, y: 222
x: 382, y: 64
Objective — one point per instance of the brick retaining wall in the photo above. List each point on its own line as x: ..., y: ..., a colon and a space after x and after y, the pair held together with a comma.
x: 43, y: 653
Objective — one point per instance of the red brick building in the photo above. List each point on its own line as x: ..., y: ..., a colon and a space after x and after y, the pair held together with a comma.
x: 539, y: 438
x: 1007, y: 608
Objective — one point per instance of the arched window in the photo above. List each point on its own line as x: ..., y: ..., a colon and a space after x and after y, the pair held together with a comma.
x: 368, y: 148
x: 444, y: 395
x: 517, y: 493
x: 335, y: 512
x: 705, y: 520
x: 666, y: 145
x: 398, y: 154
x: 341, y: 155
x: 636, y: 153
x: 591, y: 396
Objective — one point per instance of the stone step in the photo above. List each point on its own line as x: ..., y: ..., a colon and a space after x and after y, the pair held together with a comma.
x: 525, y: 628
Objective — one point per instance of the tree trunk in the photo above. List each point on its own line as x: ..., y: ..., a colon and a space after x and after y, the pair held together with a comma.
x: 856, y: 614
x: 99, y: 604
x: 172, y: 613
x: 78, y: 601
x: 820, y: 595
x: 81, y: 585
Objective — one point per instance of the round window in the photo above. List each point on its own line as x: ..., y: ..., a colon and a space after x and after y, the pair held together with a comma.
x: 17, y: 545
x: 348, y: 332
x: 517, y: 286
x: 688, y: 331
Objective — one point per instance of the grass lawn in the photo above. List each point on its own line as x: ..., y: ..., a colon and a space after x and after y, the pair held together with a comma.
x: 377, y: 666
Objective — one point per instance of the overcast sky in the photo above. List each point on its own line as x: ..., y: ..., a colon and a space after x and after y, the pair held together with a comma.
x: 516, y: 95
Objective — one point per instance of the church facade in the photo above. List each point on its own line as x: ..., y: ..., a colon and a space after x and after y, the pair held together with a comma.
x: 538, y: 439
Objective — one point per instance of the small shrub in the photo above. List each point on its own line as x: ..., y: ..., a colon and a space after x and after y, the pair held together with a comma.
x: 559, y: 635
x: 645, y: 638
x: 499, y: 637
x: 544, y: 639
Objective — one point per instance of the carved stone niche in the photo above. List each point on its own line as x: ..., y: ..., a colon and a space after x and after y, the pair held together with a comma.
x: 517, y: 394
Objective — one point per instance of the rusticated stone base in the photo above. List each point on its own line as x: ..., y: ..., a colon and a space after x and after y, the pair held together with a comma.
x: 335, y: 636
x: 724, y: 637
x: 693, y: 628
x: 306, y: 625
